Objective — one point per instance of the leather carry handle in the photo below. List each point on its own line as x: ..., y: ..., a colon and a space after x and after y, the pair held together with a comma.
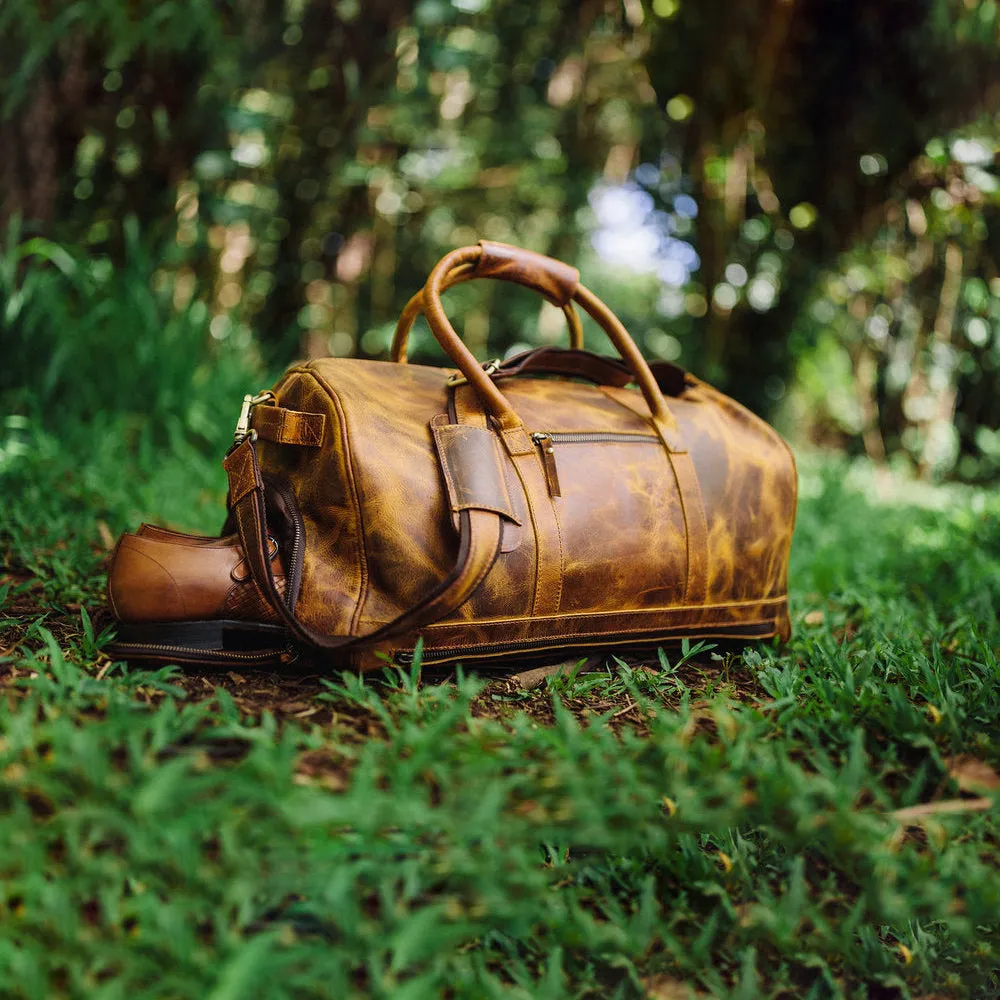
x: 458, y: 275
x: 513, y: 264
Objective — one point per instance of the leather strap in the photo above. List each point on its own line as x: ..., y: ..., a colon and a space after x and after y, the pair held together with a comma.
x: 479, y: 545
x: 282, y: 426
x: 597, y: 368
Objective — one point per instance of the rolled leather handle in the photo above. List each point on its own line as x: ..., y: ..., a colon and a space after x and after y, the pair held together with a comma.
x: 555, y: 280
x: 552, y: 278
x: 519, y: 266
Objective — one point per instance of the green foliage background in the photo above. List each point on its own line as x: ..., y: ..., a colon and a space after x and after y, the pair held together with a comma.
x: 187, y: 181
x: 193, y: 192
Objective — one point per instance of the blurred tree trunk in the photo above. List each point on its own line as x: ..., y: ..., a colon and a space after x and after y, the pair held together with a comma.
x: 148, y: 117
x: 334, y: 73
x: 794, y: 95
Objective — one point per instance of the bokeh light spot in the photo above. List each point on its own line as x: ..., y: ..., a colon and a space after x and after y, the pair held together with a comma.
x: 724, y: 297
x: 762, y: 293
x: 873, y: 164
x: 978, y: 331
x: 685, y: 206
x: 680, y: 107
x: 803, y: 215
x: 736, y: 275
x: 663, y: 345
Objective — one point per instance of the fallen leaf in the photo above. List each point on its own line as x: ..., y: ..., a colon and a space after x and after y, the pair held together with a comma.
x: 942, y: 807
x: 972, y: 775
x: 667, y: 988
x: 528, y: 680
x: 107, y: 539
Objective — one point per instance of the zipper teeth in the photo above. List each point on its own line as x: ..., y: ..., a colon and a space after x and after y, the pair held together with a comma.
x: 585, y: 437
x: 292, y: 570
x: 227, y: 654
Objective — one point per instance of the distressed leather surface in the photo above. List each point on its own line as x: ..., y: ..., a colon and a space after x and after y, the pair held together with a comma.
x: 563, y: 501
x: 604, y: 561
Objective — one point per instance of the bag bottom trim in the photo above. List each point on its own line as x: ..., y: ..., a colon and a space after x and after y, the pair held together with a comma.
x: 745, y: 631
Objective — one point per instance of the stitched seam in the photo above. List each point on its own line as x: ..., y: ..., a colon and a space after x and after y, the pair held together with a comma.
x: 242, y: 475
x: 686, y: 514
x: 442, y: 451
x: 624, y: 642
x: 765, y: 603
x: 641, y: 437
x: 596, y: 635
x: 499, y: 458
x: 559, y: 539
x: 699, y: 513
x: 355, y: 496
x: 534, y: 527
x: 478, y: 505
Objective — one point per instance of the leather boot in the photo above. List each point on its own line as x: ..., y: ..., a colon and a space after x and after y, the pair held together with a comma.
x: 190, y: 599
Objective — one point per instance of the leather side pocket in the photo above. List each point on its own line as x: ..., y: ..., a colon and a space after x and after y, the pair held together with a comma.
x: 470, y: 463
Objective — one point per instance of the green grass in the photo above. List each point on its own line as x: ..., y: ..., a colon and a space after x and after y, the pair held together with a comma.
x: 722, y: 825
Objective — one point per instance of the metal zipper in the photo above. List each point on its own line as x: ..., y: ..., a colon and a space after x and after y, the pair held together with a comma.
x: 201, y: 654
x: 546, y: 440
x: 592, y: 437
x: 293, y: 571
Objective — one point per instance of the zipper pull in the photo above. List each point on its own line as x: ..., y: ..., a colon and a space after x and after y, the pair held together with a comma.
x: 548, y: 453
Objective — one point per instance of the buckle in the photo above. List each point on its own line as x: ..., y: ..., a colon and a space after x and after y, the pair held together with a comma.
x: 243, y: 429
x: 490, y: 368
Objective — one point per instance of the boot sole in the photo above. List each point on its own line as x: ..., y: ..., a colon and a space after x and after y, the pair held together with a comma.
x: 202, y: 643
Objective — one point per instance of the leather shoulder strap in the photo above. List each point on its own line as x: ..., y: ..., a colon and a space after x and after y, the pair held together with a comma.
x: 479, y: 545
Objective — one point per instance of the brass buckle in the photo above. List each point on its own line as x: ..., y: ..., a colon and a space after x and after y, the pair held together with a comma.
x: 243, y: 429
x: 490, y: 368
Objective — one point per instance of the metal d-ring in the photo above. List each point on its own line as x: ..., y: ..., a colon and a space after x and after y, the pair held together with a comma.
x: 490, y: 368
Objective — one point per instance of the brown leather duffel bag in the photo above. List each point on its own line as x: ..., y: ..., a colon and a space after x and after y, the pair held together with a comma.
x: 558, y: 501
